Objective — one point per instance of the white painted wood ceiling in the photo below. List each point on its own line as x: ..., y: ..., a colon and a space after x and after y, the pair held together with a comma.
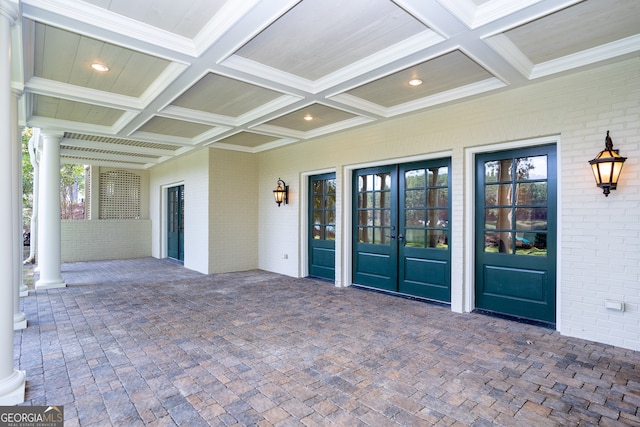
x: 244, y: 75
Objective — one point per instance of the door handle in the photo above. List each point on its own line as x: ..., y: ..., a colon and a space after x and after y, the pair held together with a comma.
x: 400, y: 237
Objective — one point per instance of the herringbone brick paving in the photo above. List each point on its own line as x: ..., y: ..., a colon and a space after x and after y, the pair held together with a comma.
x: 148, y: 342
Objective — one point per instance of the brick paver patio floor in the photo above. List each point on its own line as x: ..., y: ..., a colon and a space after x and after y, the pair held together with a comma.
x: 148, y: 342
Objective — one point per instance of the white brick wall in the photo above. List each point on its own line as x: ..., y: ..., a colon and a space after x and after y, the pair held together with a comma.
x: 279, y: 225
x: 193, y: 172
x: 599, y: 250
x: 599, y: 246
x: 233, y: 204
x: 221, y: 226
x: 95, y: 240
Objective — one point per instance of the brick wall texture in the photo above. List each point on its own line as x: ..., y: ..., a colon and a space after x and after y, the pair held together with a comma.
x: 598, y: 237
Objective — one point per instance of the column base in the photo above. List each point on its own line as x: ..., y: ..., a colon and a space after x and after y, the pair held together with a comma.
x: 50, y: 284
x: 19, y: 321
x: 24, y: 291
x: 12, y: 389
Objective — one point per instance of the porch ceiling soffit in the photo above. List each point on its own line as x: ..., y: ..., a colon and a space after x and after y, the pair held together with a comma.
x: 259, y: 74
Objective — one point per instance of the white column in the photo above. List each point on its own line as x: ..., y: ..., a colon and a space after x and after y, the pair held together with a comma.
x: 19, y: 318
x: 49, y: 240
x: 12, y: 381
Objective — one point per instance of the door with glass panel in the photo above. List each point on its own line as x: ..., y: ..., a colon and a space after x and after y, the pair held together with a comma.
x: 375, y: 219
x: 401, y: 229
x: 175, y: 222
x: 322, y: 230
x: 425, y: 257
x: 516, y: 233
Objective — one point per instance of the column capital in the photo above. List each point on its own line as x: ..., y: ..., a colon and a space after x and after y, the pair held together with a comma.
x: 10, y: 9
x: 15, y: 91
x: 55, y: 135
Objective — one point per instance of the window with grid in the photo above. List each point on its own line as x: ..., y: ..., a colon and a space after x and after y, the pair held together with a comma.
x: 516, y: 206
x: 426, y: 207
x: 323, y: 213
x: 374, y: 208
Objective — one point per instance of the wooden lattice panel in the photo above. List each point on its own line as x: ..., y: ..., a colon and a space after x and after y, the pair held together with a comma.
x: 119, y: 195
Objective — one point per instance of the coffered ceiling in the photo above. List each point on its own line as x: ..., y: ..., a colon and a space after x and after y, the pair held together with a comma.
x: 253, y: 75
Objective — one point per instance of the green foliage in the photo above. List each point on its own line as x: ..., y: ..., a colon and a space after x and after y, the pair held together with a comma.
x: 72, y: 174
x: 27, y: 180
x: 71, y: 177
x: 27, y: 169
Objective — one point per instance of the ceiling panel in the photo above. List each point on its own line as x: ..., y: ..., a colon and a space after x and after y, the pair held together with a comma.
x: 185, y: 18
x: 440, y: 74
x: 316, y: 38
x: 222, y: 95
x: 66, y: 57
x: 248, y: 139
x: 586, y: 25
x: 185, y: 75
x: 62, y: 109
x: 172, y: 127
x: 318, y: 116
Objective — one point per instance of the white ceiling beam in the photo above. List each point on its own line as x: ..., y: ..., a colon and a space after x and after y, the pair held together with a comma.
x: 97, y: 22
x: 69, y: 152
x: 55, y: 89
x: 107, y: 146
x: 104, y: 163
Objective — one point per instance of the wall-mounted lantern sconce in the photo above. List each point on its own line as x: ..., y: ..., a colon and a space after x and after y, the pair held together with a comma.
x: 281, y: 193
x: 607, y: 167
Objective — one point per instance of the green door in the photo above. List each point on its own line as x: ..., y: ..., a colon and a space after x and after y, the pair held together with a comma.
x: 375, y: 219
x: 516, y: 233
x: 175, y: 222
x: 425, y: 257
x: 401, y: 232
x: 322, y: 229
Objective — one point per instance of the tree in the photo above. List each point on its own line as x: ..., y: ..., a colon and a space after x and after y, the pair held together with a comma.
x: 29, y: 189
x: 27, y: 172
x: 71, y: 185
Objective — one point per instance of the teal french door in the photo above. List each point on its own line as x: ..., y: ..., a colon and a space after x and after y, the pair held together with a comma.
x: 175, y: 222
x: 322, y: 226
x: 401, y: 229
x: 424, y: 253
x: 375, y: 223
x: 516, y: 233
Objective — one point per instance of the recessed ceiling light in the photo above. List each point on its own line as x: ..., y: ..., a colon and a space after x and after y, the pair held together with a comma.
x: 415, y: 82
x: 99, y: 67
x: 308, y: 117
